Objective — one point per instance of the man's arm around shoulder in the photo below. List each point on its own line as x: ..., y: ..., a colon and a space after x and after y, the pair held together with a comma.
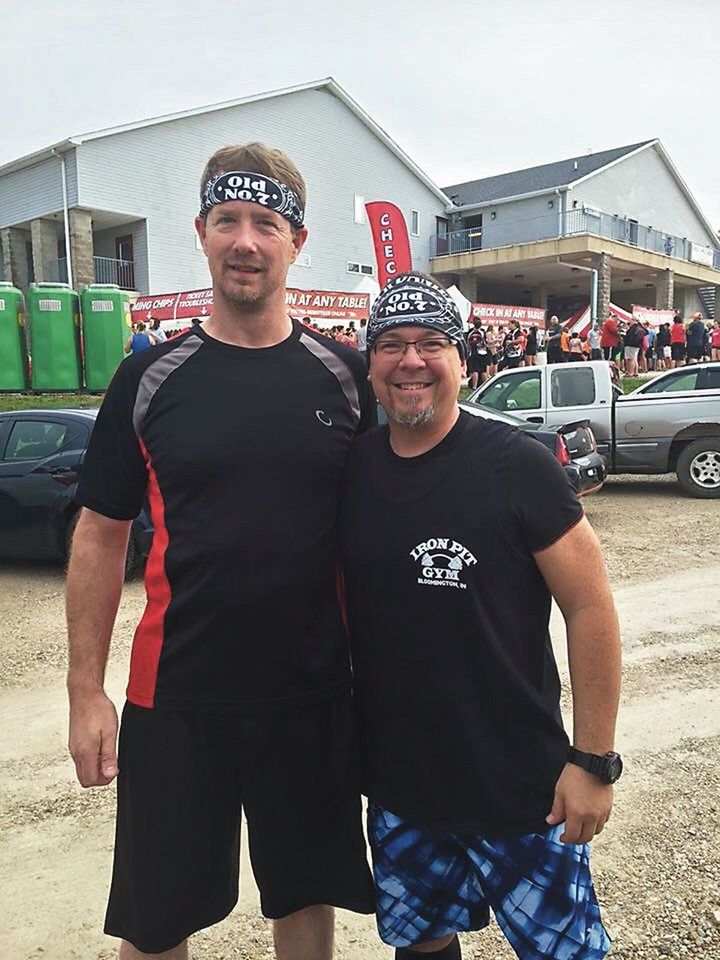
x: 575, y: 573
x: 94, y: 585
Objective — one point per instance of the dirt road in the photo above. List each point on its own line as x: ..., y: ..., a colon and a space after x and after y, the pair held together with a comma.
x: 657, y: 865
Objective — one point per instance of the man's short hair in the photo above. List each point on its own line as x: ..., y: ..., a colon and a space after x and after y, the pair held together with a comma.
x: 256, y: 158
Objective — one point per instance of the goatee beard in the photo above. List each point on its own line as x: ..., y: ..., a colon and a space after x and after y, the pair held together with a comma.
x: 420, y: 418
x: 249, y: 300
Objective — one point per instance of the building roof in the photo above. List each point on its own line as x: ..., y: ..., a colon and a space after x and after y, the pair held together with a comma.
x: 548, y: 176
x: 328, y: 84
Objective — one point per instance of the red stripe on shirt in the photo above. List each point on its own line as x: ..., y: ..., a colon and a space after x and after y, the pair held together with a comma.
x: 150, y: 633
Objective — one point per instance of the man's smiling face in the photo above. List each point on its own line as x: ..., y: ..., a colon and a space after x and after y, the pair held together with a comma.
x: 249, y: 250
x: 416, y: 390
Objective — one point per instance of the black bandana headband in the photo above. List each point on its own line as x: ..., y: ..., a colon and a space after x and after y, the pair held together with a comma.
x: 255, y: 187
x: 411, y: 300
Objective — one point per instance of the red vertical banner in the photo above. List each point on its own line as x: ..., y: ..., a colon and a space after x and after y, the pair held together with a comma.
x: 390, y: 237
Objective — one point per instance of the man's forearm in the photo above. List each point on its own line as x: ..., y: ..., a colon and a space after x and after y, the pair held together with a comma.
x: 94, y: 586
x: 595, y: 666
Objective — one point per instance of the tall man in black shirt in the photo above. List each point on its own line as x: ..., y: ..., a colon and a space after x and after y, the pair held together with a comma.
x: 456, y: 531
x: 238, y: 694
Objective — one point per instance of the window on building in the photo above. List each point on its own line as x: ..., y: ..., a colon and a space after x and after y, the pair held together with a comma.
x: 125, y: 265
x: 441, y: 236
x: 415, y: 223
x: 359, y: 209
x: 366, y: 269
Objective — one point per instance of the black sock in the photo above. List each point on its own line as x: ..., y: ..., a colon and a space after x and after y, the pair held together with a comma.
x: 450, y: 952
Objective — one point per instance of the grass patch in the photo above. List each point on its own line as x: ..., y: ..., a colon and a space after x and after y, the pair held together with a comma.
x: 632, y: 383
x: 47, y: 401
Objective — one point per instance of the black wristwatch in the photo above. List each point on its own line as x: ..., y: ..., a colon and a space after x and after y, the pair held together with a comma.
x: 606, y: 768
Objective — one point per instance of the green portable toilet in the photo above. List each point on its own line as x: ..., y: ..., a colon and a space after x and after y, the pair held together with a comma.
x: 54, y: 334
x: 13, y: 354
x: 105, y: 329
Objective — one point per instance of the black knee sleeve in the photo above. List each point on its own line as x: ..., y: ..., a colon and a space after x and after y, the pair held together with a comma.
x: 450, y: 952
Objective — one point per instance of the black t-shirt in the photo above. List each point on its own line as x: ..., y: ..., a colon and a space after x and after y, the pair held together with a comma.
x: 696, y: 333
x: 241, y: 454
x: 634, y: 335
x: 454, y: 675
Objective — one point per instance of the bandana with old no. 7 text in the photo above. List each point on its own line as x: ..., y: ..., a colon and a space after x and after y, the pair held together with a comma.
x: 256, y: 188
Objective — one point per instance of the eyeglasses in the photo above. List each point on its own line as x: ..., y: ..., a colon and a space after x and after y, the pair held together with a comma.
x: 425, y: 349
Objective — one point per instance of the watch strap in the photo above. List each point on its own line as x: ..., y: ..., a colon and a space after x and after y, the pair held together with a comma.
x: 593, y: 763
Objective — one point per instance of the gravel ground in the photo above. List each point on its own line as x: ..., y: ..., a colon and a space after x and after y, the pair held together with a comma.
x: 656, y: 866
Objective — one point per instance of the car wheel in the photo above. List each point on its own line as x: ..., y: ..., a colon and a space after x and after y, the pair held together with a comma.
x: 698, y: 468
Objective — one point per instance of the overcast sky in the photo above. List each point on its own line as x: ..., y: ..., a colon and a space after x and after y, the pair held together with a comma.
x: 468, y: 88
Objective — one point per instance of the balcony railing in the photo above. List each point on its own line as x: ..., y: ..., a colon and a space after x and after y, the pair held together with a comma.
x: 106, y: 270
x: 501, y: 233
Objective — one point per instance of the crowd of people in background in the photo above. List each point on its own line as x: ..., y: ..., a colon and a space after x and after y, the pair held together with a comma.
x: 636, y: 348
x: 494, y: 348
x: 641, y: 348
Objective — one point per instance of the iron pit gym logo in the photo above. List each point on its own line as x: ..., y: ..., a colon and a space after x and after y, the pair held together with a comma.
x: 442, y: 562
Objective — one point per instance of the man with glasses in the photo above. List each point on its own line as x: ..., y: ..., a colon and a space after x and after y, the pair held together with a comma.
x: 456, y: 533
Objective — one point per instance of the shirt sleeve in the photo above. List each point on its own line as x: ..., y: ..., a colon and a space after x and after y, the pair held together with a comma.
x: 113, y: 481
x: 543, y: 499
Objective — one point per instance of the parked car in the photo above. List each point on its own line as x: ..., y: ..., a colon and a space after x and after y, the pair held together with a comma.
x: 41, y: 456
x: 572, y: 444
x: 670, y: 424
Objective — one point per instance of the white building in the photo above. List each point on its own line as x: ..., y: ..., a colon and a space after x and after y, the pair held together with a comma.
x: 132, y: 192
x: 532, y: 237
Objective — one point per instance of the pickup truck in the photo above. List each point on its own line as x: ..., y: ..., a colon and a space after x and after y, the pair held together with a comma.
x: 670, y: 424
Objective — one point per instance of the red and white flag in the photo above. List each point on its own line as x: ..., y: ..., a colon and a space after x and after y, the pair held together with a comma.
x: 390, y: 237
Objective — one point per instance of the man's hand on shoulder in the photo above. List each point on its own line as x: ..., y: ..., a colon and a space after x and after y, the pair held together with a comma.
x: 93, y: 733
x: 583, y: 802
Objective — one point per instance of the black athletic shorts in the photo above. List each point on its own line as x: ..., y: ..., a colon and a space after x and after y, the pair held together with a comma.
x: 478, y: 363
x: 677, y: 351
x: 184, y: 777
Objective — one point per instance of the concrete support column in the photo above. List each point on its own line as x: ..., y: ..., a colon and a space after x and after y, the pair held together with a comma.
x: 81, y: 248
x: 539, y: 297
x: 14, y: 255
x: 664, y: 290
x: 604, y: 269
x: 468, y: 286
x: 43, y: 234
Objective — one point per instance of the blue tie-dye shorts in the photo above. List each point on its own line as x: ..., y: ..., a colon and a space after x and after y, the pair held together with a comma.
x: 430, y: 883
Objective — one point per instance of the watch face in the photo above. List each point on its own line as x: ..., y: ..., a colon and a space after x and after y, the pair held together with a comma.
x: 614, y: 768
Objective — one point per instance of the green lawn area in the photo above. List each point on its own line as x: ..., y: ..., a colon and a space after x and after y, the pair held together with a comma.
x: 47, y: 401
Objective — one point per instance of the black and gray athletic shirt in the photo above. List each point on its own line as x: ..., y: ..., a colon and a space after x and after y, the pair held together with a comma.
x: 241, y: 454
x: 454, y: 675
